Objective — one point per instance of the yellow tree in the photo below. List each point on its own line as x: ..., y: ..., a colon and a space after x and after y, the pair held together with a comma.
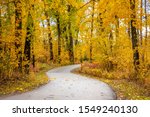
x: 18, y: 32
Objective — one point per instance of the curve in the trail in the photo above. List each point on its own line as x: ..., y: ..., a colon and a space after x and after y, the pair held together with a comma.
x: 65, y: 85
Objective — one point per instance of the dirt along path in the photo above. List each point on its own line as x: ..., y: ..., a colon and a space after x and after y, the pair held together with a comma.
x: 65, y: 85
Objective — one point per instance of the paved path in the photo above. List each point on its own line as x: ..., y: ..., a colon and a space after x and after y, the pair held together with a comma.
x: 65, y: 85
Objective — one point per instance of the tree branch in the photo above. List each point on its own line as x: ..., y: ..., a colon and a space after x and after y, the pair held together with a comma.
x: 85, y: 4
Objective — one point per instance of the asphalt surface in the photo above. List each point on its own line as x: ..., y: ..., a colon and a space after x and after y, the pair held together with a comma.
x: 65, y: 85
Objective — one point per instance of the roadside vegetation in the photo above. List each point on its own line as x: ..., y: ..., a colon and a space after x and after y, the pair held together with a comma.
x: 20, y: 84
x: 125, y: 88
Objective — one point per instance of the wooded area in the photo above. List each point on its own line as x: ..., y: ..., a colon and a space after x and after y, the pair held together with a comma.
x: 115, y: 34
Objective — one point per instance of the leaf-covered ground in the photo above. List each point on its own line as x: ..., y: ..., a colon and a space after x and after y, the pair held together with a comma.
x: 26, y: 83
x: 124, y: 88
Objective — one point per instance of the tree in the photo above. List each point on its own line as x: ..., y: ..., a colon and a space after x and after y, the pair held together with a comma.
x: 134, y: 35
x: 29, y: 39
x: 49, y: 31
x: 71, y: 51
x: 92, y: 25
x: 59, y: 36
x: 141, y: 18
x: 146, y: 29
x: 18, y: 32
x: 0, y: 38
x: 0, y: 29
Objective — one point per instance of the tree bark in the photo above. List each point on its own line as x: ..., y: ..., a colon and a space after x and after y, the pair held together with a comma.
x: 0, y: 30
x: 134, y: 35
x: 49, y: 37
x: 92, y: 26
x: 18, y: 32
x: 117, y: 26
x: 71, y: 50
x: 51, y: 54
x: 146, y: 32
x: 29, y: 37
x: 65, y: 33
x: 59, y: 37
x: 146, y: 28
x: 141, y: 15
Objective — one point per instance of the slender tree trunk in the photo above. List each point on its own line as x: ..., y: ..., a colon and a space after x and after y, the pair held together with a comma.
x: 43, y: 34
x: 49, y: 33
x: 111, y: 41
x: 18, y: 32
x: 66, y: 44
x: 141, y: 18
x: 49, y: 37
x: 32, y: 41
x: 1, y: 43
x: 134, y: 35
x: 0, y: 29
x: 92, y: 26
x: 129, y: 29
x: 117, y: 27
x: 59, y: 37
x: 146, y: 31
x: 77, y: 37
x: 29, y: 38
x: 71, y: 51
x: 141, y: 30
x: 1, y: 46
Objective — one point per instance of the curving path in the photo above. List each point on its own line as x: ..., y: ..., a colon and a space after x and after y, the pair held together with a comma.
x: 65, y: 85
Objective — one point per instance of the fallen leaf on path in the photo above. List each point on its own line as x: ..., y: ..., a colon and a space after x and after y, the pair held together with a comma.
x: 51, y: 79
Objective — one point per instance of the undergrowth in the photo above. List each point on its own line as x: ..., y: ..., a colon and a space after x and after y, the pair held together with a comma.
x: 123, y: 83
x: 20, y: 84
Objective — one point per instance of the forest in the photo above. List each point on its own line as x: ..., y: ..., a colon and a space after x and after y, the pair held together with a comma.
x: 109, y: 38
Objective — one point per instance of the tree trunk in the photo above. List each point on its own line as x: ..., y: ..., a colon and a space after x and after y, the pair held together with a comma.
x: 146, y: 29
x: 49, y: 33
x: 18, y: 33
x: 146, y: 32
x: 59, y: 37
x: 129, y: 29
x: 134, y: 36
x: 117, y: 26
x: 0, y: 30
x: 1, y: 44
x: 66, y: 42
x: 49, y: 36
x: 71, y: 51
x: 141, y: 15
x: 92, y: 25
x: 29, y: 37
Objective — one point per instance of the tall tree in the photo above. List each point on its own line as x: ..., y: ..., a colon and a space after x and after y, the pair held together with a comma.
x: 146, y: 31
x: 146, y: 28
x: 117, y: 26
x: 141, y: 18
x: 92, y: 26
x: 1, y: 48
x: 134, y: 34
x: 18, y: 32
x: 59, y: 36
x: 29, y: 39
x: 49, y: 31
x: 71, y: 50
x: 0, y: 28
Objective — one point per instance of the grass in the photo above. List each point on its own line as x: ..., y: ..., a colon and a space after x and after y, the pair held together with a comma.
x: 27, y: 83
x: 125, y: 89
